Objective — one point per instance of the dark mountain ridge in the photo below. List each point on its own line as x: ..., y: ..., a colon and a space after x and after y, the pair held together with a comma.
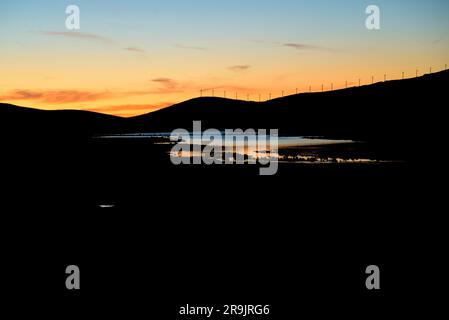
x: 391, y: 110
x: 382, y: 110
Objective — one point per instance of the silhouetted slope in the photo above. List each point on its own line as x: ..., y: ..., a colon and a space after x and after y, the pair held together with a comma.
x: 19, y: 121
x: 386, y: 110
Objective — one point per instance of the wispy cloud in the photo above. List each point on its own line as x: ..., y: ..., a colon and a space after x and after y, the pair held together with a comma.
x: 166, y: 82
x: 304, y: 46
x: 239, y: 68
x: 181, y: 46
x: 134, y: 49
x: 167, y: 85
x: 295, y: 45
x: 56, y: 96
x: 78, y: 35
x: 65, y: 96
x: 21, y: 95
x: 90, y: 37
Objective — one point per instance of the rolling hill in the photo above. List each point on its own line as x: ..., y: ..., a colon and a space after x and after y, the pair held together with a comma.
x: 391, y: 110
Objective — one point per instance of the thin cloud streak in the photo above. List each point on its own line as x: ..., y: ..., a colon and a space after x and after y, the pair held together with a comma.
x: 65, y: 96
x: 90, y: 37
x: 181, y: 46
x: 135, y: 49
x: 166, y: 82
x: 56, y: 96
x: 79, y: 35
x: 304, y: 46
x: 168, y: 85
x: 239, y: 68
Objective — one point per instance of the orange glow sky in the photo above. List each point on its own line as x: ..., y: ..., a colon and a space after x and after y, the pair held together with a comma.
x: 130, y: 58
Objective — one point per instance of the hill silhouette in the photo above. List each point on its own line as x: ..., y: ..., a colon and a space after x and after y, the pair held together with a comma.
x: 49, y: 156
x: 16, y: 122
x: 385, y: 111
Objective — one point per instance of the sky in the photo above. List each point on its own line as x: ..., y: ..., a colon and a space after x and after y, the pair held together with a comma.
x: 133, y: 57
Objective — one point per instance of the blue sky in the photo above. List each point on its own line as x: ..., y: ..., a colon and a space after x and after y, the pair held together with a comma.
x: 212, y: 20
